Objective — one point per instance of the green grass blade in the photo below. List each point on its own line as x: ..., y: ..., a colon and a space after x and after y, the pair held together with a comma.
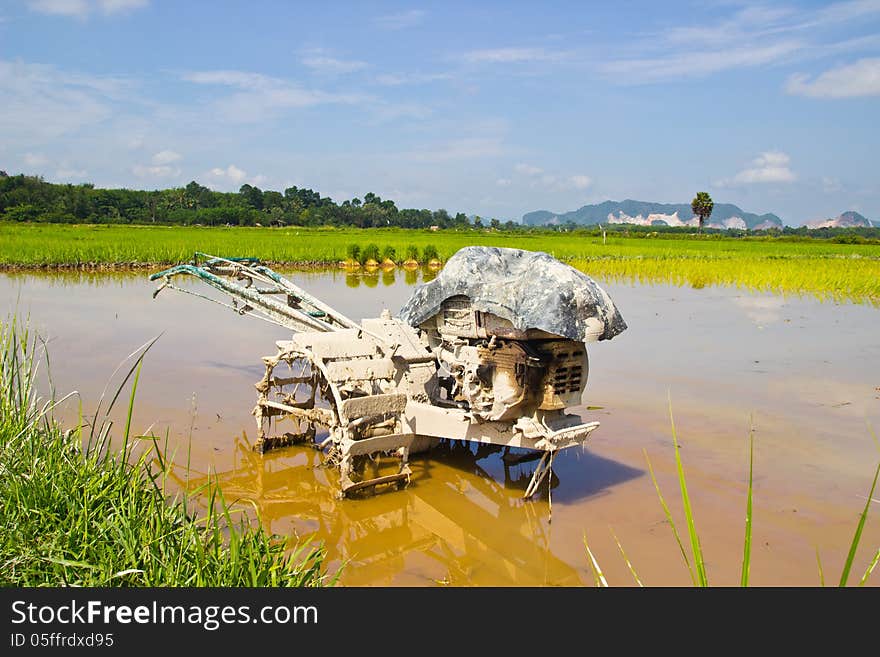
x: 626, y: 559
x: 670, y: 520
x: 847, y: 566
x: 699, y: 564
x: 134, y: 385
x: 870, y: 568
x: 821, y: 574
x: 747, y: 542
x: 601, y: 582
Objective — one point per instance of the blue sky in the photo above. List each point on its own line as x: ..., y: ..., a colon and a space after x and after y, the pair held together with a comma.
x: 489, y: 108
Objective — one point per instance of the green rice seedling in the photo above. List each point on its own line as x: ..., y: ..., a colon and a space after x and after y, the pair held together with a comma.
x: 389, y: 253
x: 841, y: 272
x: 370, y: 252
x: 353, y: 252
x: 429, y: 253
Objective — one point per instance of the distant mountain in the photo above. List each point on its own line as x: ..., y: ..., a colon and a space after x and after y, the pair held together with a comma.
x: 645, y: 213
x: 848, y: 219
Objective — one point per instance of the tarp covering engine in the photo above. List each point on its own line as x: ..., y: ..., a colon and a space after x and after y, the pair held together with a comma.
x: 530, y: 289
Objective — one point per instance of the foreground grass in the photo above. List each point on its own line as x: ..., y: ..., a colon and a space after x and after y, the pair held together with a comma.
x: 75, y: 512
x: 820, y: 268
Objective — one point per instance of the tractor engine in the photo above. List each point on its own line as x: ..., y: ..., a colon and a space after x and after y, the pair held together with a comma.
x: 497, y: 372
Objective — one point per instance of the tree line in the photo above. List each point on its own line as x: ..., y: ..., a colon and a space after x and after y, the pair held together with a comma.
x: 32, y: 199
x: 26, y: 198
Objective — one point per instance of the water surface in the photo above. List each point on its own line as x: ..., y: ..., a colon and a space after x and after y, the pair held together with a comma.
x: 806, y: 372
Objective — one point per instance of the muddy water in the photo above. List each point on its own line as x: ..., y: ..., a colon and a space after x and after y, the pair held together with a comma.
x: 805, y: 373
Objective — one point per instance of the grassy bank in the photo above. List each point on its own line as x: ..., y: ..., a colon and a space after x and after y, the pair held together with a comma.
x: 820, y: 267
x: 73, y: 511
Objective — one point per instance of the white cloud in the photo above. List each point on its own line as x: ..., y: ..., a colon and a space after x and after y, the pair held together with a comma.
x: 540, y: 179
x: 261, y: 96
x: 73, y: 175
x: 461, y: 149
x: 78, y: 8
x: 859, y: 79
x: 845, y: 11
x: 528, y: 169
x: 831, y: 185
x: 696, y: 63
x: 41, y: 103
x: 756, y: 35
x: 231, y: 178
x: 165, y: 157
x: 383, y: 112
x: 397, y: 79
x: 161, y: 171
x: 761, y: 310
x: 113, y: 6
x: 511, y: 55
x: 400, y: 20
x: 82, y: 8
x: 35, y: 159
x: 580, y: 181
x: 333, y: 66
x: 768, y: 167
x: 231, y: 173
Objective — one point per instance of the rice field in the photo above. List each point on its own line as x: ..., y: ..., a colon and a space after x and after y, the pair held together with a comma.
x: 817, y: 267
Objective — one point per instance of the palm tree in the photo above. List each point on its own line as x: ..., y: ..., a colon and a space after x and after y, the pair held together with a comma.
x: 702, y: 207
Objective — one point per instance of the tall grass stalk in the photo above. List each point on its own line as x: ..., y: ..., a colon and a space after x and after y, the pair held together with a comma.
x: 747, y: 541
x: 847, y: 566
x: 698, y: 571
x: 699, y: 564
x: 72, y: 515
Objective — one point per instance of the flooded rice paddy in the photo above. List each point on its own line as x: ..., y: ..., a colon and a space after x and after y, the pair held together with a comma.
x: 804, y: 372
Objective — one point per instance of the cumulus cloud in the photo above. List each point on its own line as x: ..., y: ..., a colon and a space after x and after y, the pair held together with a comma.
x: 580, y: 181
x: 165, y: 157
x: 861, y: 78
x: 231, y: 173
x: 232, y: 177
x: 156, y: 171
x: 768, y: 167
x: 82, y: 8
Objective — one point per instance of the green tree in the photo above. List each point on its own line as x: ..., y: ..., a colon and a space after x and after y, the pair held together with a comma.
x: 702, y: 207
